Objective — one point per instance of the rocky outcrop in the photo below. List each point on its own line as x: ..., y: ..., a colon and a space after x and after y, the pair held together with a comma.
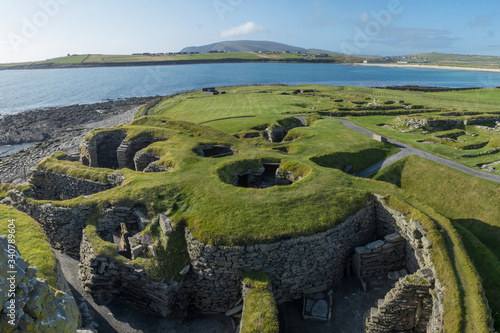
x: 39, y: 125
x: 29, y: 304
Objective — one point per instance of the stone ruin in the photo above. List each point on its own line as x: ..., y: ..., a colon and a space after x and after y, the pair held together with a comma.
x: 267, y: 175
x: 110, y: 149
x: 375, y: 241
x: 214, y: 150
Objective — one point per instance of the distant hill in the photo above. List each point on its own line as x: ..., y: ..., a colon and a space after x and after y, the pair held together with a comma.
x: 250, y: 46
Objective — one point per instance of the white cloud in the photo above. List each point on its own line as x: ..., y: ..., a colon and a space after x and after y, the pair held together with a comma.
x: 244, y: 29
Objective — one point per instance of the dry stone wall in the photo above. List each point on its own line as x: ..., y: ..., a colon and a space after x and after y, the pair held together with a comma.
x: 380, y: 257
x: 407, y: 307
x: 63, y: 226
x: 304, y: 265
x: 396, y: 307
x: 54, y: 186
x: 106, y: 280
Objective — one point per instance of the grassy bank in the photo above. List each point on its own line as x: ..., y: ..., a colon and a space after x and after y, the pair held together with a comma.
x: 464, y: 199
x: 31, y: 242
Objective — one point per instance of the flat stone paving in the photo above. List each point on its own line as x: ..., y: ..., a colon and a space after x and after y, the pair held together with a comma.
x: 350, y: 303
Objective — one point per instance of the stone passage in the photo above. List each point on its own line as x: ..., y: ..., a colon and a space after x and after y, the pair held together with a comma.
x: 407, y: 307
x: 106, y: 280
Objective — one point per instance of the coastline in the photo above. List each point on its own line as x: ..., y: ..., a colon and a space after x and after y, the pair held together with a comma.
x: 56, y: 129
x: 470, y: 69
x: 166, y: 63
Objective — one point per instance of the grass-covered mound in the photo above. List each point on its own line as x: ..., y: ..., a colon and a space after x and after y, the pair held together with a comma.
x: 260, y: 314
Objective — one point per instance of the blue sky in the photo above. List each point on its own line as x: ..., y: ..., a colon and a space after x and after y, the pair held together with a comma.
x: 41, y: 29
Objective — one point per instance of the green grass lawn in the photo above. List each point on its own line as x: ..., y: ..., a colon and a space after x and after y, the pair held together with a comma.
x: 31, y: 242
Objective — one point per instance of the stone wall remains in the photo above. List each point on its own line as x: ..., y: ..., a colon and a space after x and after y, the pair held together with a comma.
x: 106, y: 280
x: 407, y: 307
x: 304, y: 265
x: 63, y: 226
x: 54, y: 186
x: 418, y: 259
x: 380, y: 257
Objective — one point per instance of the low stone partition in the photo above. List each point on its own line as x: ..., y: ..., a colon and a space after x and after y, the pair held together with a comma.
x: 407, y: 307
x: 63, y: 226
x: 49, y: 185
x: 114, y: 216
x: 380, y: 257
x: 296, y: 267
x: 127, y: 151
x: 106, y: 280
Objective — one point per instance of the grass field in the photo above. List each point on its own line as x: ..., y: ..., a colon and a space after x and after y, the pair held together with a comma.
x: 90, y: 59
x: 461, y: 60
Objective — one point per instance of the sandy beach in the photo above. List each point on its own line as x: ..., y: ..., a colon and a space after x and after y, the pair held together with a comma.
x: 433, y: 67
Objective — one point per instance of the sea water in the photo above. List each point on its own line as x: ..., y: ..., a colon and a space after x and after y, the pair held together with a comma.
x: 22, y: 90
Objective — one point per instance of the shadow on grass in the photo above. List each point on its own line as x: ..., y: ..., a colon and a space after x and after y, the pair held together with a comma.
x: 488, y: 235
x: 486, y: 263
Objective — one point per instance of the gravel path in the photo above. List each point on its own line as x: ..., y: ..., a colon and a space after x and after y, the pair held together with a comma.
x: 406, y: 150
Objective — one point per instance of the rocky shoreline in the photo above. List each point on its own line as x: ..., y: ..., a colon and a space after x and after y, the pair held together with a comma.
x: 57, y: 129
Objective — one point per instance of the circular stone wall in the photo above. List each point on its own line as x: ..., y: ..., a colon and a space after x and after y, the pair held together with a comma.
x: 258, y: 173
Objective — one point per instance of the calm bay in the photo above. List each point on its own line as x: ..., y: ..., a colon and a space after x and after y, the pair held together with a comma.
x: 22, y: 90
